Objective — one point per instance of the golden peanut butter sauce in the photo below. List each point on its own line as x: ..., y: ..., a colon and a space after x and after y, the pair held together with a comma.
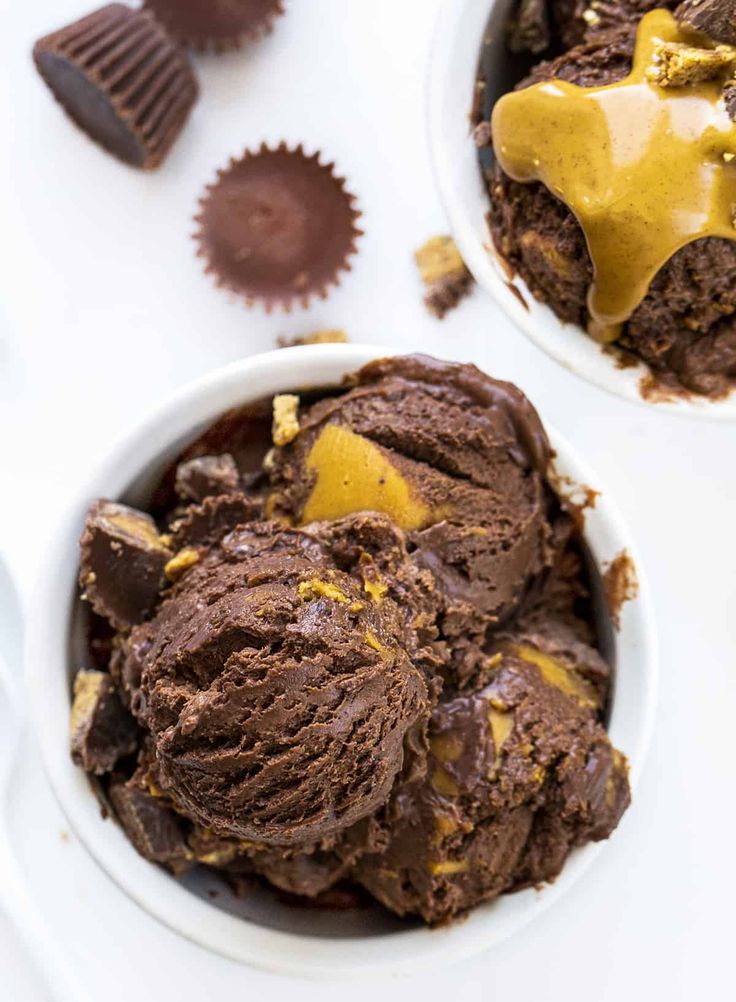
x: 353, y: 474
x: 644, y: 164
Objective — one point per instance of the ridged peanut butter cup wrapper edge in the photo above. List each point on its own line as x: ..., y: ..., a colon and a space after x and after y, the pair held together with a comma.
x: 194, y: 24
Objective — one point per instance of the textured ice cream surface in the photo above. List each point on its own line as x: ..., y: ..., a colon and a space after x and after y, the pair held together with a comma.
x: 280, y: 695
x: 583, y: 20
x: 518, y: 775
x: 454, y: 458
x: 370, y: 688
x: 684, y: 329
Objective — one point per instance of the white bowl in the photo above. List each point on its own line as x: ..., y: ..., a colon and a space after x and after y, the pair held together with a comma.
x: 467, y: 30
x: 263, y: 932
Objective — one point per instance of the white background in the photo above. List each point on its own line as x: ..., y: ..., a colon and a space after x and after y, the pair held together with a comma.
x: 105, y: 310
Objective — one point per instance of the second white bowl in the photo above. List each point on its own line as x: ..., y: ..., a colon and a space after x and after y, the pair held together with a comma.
x: 465, y: 31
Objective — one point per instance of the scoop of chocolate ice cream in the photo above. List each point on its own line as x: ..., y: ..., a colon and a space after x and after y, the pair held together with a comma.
x: 583, y: 20
x: 454, y: 458
x: 279, y: 691
x: 685, y: 327
x: 518, y: 775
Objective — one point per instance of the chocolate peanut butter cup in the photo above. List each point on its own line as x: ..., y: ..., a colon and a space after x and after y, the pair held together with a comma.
x: 216, y: 25
x: 119, y: 76
x: 277, y: 226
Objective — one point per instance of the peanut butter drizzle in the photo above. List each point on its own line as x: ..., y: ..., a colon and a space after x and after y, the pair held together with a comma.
x: 644, y: 167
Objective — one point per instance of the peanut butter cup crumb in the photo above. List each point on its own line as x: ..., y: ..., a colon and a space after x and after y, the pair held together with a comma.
x: 285, y: 418
x: 677, y: 65
x: 445, y: 274
x: 327, y: 336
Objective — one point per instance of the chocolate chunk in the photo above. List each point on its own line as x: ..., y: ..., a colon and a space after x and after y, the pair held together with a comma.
x: 213, y: 519
x: 277, y: 226
x: 153, y: 827
x: 119, y: 76
x: 716, y: 19
x: 529, y: 29
x: 122, y: 562
x: 102, y: 731
x: 206, y: 476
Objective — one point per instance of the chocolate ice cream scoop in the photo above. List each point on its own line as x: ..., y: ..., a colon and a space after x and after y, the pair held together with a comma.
x: 279, y: 692
x: 454, y: 458
x: 683, y: 326
x: 518, y: 775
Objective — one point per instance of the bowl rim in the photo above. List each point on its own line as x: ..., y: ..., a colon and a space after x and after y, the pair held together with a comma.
x: 47, y: 659
x: 453, y: 51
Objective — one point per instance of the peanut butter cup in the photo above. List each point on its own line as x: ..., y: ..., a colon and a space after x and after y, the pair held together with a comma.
x: 277, y: 226
x: 216, y: 25
x: 119, y: 76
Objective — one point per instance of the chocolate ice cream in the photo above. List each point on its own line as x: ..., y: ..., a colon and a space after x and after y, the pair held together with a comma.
x: 279, y: 695
x: 457, y: 460
x: 374, y: 661
x: 680, y: 304
x: 519, y: 773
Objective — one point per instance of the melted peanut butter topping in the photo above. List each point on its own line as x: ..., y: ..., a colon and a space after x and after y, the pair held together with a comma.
x: 353, y: 475
x: 644, y: 164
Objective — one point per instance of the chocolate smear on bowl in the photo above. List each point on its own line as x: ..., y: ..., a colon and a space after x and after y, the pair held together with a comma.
x: 277, y: 227
x: 620, y: 584
x: 122, y: 80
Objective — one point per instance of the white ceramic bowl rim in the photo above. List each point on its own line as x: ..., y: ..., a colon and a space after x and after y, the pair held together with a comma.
x: 149, y: 447
x: 456, y: 49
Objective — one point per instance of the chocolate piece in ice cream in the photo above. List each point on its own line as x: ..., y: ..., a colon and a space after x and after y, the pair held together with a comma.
x: 716, y: 19
x: 206, y: 476
x: 577, y: 21
x: 529, y: 30
x: 151, y: 825
x: 281, y: 699
x: 122, y: 562
x: 121, y: 79
x: 454, y: 458
x: 204, y: 524
x: 312, y: 869
x: 518, y: 775
x: 102, y: 731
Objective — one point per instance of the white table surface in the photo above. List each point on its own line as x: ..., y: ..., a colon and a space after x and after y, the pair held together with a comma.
x: 105, y: 309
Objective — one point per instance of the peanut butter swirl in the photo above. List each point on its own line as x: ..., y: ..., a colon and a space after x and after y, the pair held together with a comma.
x: 644, y: 164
